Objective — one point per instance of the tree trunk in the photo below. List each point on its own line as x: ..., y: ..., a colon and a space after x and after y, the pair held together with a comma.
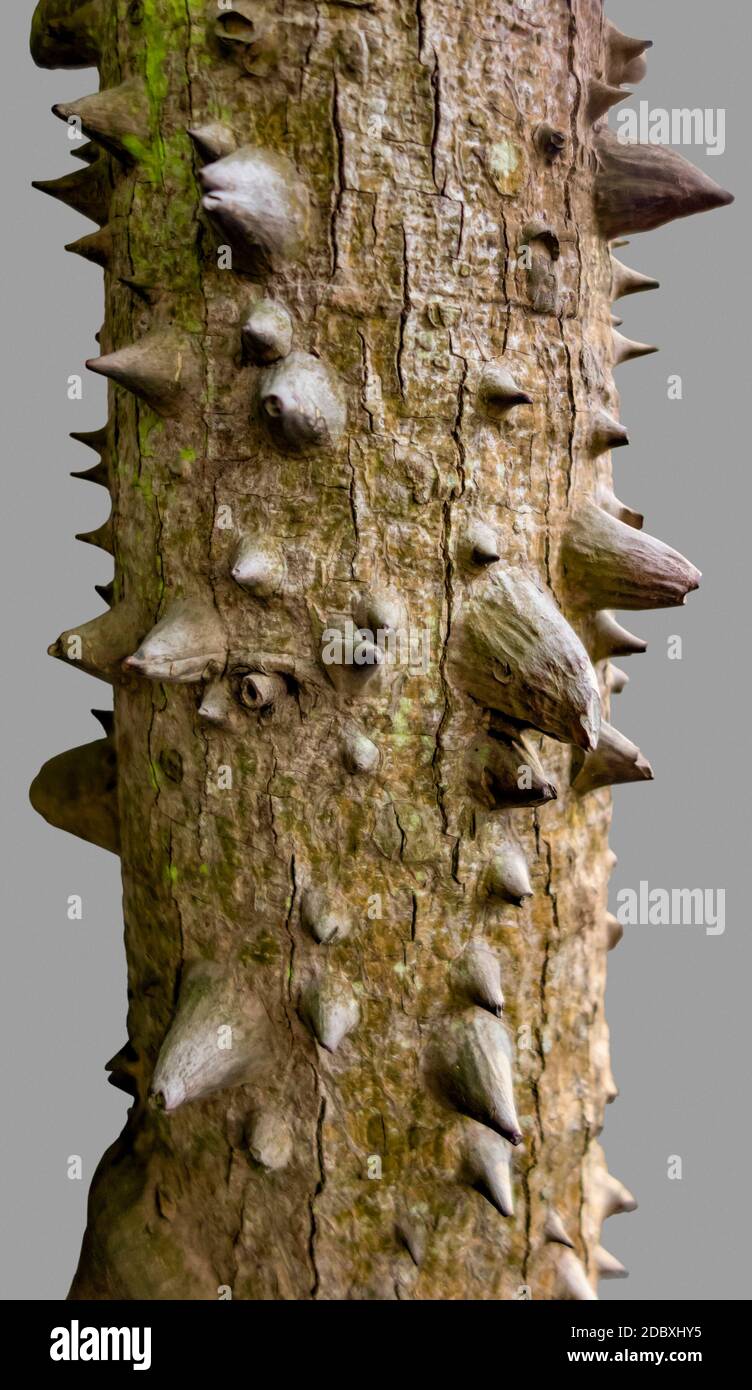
x: 358, y: 325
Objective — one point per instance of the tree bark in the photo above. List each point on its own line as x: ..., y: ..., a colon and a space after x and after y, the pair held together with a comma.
x: 362, y: 377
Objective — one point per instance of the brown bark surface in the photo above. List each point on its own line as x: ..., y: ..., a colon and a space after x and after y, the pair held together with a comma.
x: 447, y: 235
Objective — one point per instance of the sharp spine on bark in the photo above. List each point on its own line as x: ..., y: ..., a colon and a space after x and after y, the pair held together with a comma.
x: 471, y: 1059
x: 65, y: 34
x: 607, y: 1266
x: 213, y: 141
x: 267, y: 333
x: 86, y: 190
x: 331, y: 1010
x: 96, y: 247
x: 217, y: 706
x: 302, y: 404
x: 324, y: 922
x: 359, y: 752
x: 104, y: 642
x: 601, y: 96
x: 639, y: 187
x: 624, y: 56
x: 93, y: 439
x: 88, y: 153
x: 614, y: 931
x: 487, y: 1166
x: 609, y: 503
x: 269, y: 1140
x: 609, y: 639
x: 573, y: 1279
x: 482, y: 543
x: 106, y: 592
x: 613, y: 1196
x: 554, y: 1231
x: 513, y: 651
x: 123, y: 1070
x: 625, y: 281
x: 77, y: 791
x: 187, y: 644
x: 116, y: 117
x: 161, y: 368
x: 614, y: 761
x: 101, y: 537
x: 610, y: 565
x: 379, y: 610
x: 478, y: 974
x: 507, y: 877
x: 260, y: 204
x: 498, y: 391
x: 549, y: 142
x: 616, y: 680
x: 218, y: 1038
x: 258, y: 568
x: 98, y: 473
x: 507, y: 772
x: 624, y: 350
x: 605, y: 433
x: 105, y: 717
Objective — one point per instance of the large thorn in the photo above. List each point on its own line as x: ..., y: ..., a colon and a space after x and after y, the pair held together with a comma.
x: 513, y: 651
x: 639, y: 187
x: 610, y: 565
x: 470, y: 1060
x: 487, y: 1163
x: 77, y: 792
x: 624, y: 56
x: 188, y: 644
x: 218, y: 1038
x: 87, y: 191
x: 505, y: 772
x: 260, y: 204
x: 614, y: 761
x: 67, y: 33
x: 98, y: 647
x: 625, y: 281
x: 162, y: 368
x: 116, y: 117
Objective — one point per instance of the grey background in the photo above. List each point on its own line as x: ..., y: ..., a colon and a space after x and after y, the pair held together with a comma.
x: 676, y: 998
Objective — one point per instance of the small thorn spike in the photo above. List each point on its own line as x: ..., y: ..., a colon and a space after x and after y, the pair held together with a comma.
x: 625, y: 281
x: 161, y: 368
x: 614, y: 761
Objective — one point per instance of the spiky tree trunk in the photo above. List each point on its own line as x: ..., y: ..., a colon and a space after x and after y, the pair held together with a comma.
x: 358, y: 288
